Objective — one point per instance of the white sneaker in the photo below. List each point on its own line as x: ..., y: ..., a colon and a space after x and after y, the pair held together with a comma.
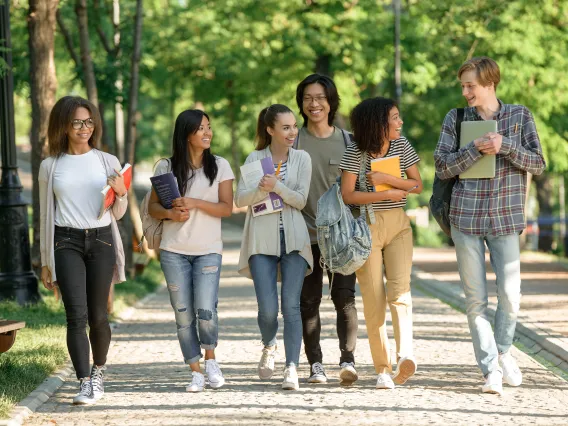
x: 197, y: 382
x: 511, y: 372
x: 405, y: 368
x: 214, y: 374
x: 290, y: 378
x: 98, y: 381
x: 266, y: 363
x: 348, y: 374
x: 85, y: 395
x: 384, y: 381
x: 493, y: 383
x: 317, y: 374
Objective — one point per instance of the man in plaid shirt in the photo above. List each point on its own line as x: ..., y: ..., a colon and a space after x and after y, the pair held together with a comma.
x: 490, y: 211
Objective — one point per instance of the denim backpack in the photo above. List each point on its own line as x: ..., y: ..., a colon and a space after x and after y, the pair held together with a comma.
x: 344, y: 242
x: 442, y: 189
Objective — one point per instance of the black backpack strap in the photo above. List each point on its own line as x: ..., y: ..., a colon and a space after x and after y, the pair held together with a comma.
x: 459, y: 120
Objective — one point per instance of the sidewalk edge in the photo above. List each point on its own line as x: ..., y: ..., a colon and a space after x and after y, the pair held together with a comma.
x: 29, y: 405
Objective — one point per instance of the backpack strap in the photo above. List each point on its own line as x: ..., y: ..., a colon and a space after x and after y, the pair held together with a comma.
x: 347, y: 137
x: 296, y: 141
x: 459, y: 120
x: 365, y: 208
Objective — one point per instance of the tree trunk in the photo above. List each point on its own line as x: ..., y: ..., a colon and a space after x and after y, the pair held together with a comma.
x: 130, y: 145
x: 544, y: 195
x: 397, y: 65
x: 43, y: 85
x: 86, y: 60
x: 235, y: 154
x: 323, y: 65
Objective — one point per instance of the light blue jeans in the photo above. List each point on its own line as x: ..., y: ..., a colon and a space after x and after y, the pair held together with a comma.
x: 264, y: 270
x: 505, y: 256
x: 193, y: 284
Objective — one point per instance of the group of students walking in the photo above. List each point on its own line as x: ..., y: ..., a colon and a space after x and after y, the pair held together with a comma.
x: 83, y: 255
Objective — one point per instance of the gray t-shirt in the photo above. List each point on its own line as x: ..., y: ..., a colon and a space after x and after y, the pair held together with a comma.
x: 326, y: 154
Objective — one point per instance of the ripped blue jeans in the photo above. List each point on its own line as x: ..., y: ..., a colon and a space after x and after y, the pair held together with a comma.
x: 193, y: 284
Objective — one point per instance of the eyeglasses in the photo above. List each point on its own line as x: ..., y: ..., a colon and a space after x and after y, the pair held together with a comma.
x: 78, y: 124
x: 318, y: 99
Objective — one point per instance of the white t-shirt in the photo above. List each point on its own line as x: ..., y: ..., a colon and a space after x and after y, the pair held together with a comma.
x: 201, y: 233
x: 77, y: 184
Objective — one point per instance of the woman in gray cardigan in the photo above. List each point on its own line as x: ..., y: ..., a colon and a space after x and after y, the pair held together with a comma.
x: 276, y: 246
x: 81, y: 253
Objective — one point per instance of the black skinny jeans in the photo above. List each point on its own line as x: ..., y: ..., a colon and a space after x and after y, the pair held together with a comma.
x: 84, y: 264
x: 343, y: 297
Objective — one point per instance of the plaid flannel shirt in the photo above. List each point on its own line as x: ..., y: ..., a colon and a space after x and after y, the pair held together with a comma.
x: 496, y: 205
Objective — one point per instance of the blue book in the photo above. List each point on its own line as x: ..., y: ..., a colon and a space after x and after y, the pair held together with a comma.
x: 166, y: 188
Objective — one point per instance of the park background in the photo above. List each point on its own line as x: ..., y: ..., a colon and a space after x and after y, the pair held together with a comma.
x: 143, y: 62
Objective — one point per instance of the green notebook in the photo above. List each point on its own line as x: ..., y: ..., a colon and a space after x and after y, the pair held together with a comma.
x: 485, y: 166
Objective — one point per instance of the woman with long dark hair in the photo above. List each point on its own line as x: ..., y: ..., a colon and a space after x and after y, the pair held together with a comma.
x: 191, y: 247
x: 276, y: 246
x: 377, y: 128
x: 81, y: 254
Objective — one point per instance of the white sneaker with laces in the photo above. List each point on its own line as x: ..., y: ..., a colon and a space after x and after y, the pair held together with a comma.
x: 493, y: 382
x: 384, y: 381
x: 290, y: 378
x: 214, y: 374
x: 405, y: 368
x: 85, y: 395
x: 511, y: 372
x: 197, y: 382
x: 348, y: 374
x: 317, y: 374
x: 97, y: 381
x: 266, y: 363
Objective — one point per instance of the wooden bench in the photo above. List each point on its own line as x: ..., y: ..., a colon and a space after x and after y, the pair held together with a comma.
x: 8, y: 330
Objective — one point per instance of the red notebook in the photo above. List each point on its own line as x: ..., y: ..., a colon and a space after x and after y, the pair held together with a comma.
x: 108, y: 193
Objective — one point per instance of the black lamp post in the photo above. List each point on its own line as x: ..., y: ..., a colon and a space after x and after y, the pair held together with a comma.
x: 17, y: 280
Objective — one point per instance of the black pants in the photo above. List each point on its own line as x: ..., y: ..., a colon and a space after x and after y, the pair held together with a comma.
x: 343, y: 297
x: 84, y: 264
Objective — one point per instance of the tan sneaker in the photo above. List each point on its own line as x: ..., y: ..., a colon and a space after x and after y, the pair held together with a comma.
x: 405, y: 369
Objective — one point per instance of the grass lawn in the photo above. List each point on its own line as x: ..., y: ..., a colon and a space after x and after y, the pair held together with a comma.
x: 40, y: 347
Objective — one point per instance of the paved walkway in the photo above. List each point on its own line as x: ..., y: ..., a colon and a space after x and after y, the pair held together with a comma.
x: 146, y: 377
x: 544, y: 286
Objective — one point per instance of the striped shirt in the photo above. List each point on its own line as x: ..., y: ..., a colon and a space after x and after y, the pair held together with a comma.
x: 283, y: 173
x: 352, y: 159
x: 496, y: 205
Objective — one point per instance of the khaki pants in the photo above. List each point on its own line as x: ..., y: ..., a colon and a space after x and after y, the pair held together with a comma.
x: 392, y: 245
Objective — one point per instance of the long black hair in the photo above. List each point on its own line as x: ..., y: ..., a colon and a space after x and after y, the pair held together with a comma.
x: 187, y: 123
x: 370, y: 123
x: 331, y: 94
x: 267, y: 118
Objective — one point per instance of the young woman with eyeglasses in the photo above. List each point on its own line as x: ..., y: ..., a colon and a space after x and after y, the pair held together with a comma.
x: 80, y: 254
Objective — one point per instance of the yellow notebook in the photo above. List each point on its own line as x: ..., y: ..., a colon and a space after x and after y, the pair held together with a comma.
x: 388, y: 165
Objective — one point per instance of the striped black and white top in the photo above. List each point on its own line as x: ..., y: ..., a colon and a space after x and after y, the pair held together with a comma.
x: 352, y: 159
x: 283, y: 174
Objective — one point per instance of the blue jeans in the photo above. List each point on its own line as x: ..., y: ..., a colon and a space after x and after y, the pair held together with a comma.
x: 193, y: 284
x: 505, y: 256
x: 264, y: 271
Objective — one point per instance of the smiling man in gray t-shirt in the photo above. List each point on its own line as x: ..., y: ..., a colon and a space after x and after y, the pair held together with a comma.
x: 318, y: 102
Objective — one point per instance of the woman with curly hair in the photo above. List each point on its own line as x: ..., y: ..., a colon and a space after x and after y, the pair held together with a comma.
x: 377, y: 128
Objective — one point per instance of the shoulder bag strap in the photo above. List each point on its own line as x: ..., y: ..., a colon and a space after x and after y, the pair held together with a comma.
x: 365, y: 208
x: 459, y: 120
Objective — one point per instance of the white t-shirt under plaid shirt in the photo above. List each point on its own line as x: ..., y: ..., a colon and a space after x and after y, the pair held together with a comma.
x: 351, y: 162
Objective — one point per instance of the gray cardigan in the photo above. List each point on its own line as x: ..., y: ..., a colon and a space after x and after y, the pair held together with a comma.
x: 261, y: 234
x: 47, y: 215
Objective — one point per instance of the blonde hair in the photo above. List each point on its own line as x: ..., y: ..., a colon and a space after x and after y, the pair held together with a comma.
x: 486, y: 70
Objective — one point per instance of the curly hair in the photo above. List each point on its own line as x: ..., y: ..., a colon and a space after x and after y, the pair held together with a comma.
x: 370, y: 123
